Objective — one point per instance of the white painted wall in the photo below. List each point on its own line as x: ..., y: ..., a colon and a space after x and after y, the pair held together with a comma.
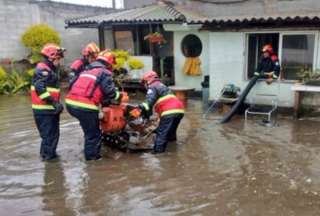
x: 227, y: 56
x: 226, y: 63
x: 180, y: 78
x: 224, y: 59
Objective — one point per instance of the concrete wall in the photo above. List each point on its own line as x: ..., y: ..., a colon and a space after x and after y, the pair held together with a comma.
x: 179, y: 33
x: 17, y: 15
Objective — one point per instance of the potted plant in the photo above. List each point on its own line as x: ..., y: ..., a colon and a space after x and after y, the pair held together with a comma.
x: 308, y: 77
x: 135, y: 65
x: 156, y: 38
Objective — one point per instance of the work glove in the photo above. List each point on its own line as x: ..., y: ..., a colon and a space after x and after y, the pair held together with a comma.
x: 144, y: 113
x: 257, y: 74
x: 58, y: 107
x: 135, y: 113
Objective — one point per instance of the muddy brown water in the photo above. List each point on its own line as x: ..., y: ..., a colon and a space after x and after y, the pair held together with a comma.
x: 231, y: 169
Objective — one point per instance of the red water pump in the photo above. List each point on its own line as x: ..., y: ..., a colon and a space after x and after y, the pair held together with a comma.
x: 123, y: 127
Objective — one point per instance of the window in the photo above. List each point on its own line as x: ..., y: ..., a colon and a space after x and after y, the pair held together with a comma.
x: 255, y: 44
x: 124, y: 40
x: 191, y: 46
x: 144, y: 45
x: 297, y: 52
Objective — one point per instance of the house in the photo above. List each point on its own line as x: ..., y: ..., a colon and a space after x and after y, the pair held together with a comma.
x: 227, y: 36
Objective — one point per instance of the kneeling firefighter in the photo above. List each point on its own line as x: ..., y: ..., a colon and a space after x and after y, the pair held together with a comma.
x: 89, y: 55
x: 45, y: 96
x: 92, y: 88
x: 167, y: 105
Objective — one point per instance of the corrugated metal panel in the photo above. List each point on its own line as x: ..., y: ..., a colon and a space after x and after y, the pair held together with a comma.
x: 144, y: 14
x: 169, y: 13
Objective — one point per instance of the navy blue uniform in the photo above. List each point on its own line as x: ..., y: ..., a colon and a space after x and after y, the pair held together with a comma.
x: 270, y: 64
x: 170, y: 110
x: 93, y: 87
x: 45, y: 94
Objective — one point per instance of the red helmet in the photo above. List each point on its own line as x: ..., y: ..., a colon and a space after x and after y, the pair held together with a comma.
x: 52, y: 51
x: 107, y: 57
x: 149, y: 77
x: 267, y: 48
x: 91, y: 49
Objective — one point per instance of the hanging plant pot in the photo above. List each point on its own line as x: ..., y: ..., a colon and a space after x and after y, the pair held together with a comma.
x: 155, y: 38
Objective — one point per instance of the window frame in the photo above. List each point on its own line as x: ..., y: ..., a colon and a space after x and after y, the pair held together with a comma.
x: 279, y: 51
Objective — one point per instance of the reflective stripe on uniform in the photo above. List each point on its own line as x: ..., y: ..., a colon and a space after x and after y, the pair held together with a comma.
x: 49, y: 89
x: 146, y: 106
x: 173, y: 111
x: 42, y: 107
x: 44, y: 95
x: 117, y: 95
x: 81, y: 104
x: 165, y: 97
x: 89, y: 76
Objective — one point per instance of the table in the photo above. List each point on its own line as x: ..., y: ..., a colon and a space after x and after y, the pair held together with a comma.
x: 299, y: 89
x: 181, y: 93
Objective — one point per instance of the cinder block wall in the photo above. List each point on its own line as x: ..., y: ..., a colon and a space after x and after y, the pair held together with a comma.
x: 17, y: 15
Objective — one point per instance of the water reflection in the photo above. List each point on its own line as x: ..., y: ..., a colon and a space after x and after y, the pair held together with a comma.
x: 54, y: 190
x: 232, y: 169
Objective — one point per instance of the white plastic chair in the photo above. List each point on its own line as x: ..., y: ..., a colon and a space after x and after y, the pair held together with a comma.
x: 264, y: 104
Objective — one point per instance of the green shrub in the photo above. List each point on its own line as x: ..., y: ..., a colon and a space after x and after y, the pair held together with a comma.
x: 13, y: 82
x: 120, y: 63
x: 35, y: 57
x: 37, y: 36
x: 30, y: 72
x: 3, y: 73
x: 135, y: 63
x: 121, y: 54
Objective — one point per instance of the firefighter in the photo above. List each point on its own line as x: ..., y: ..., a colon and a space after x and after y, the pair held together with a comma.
x: 168, y: 107
x: 93, y: 87
x: 89, y: 55
x: 45, y: 95
x: 268, y: 66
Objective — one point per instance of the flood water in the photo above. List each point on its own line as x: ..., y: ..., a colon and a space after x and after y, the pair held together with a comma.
x: 231, y: 169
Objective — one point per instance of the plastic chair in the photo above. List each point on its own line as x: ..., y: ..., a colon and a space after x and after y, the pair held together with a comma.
x: 263, y: 104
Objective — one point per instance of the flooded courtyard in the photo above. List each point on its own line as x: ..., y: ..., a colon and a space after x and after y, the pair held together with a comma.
x: 233, y: 169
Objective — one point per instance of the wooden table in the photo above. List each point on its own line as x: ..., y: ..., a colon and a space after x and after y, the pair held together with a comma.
x: 181, y: 93
x: 299, y: 89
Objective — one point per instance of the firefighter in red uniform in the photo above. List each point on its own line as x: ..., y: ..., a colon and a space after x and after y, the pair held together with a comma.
x: 89, y: 55
x: 167, y: 105
x: 45, y: 95
x: 93, y: 87
x: 268, y: 66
